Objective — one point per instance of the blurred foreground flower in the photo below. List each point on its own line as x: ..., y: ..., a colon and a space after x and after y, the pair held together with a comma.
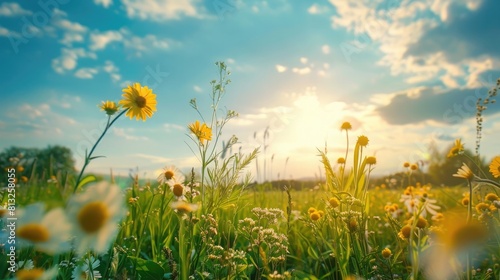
x: 464, y: 172
x: 36, y: 274
x: 140, y: 101
x: 183, y: 207
x: 49, y: 233
x: 95, y: 215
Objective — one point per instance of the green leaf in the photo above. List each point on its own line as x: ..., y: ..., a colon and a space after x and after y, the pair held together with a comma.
x: 92, y: 158
x: 87, y: 179
x: 148, y: 269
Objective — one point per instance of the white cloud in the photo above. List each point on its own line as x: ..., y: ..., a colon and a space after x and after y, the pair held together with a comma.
x: 316, y: 9
x: 110, y: 68
x: 161, y: 10
x: 99, y: 40
x: 13, y: 9
x: 70, y: 26
x: 280, y: 68
x: 86, y: 73
x: 303, y: 60
x: 6, y: 33
x: 104, y: 3
x: 69, y: 59
x: 197, y: 88
x: 325, y: 49
x: 127, y: 134
x: 301, y: 71
x: 170, y: 127
x: 70, y: 38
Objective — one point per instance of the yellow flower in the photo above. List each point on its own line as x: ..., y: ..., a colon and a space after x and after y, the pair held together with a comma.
x: 315, y: 216
x: 491, y: 197
x: 456, y: 149
x: 334, y: 202
x: 464, y: 172
x: 465, y: 201
x: 36, y: 274
x: 201, y: 131
x: 362, y: 141
x: 341, y: 160
x: 109, y: 107
x: 346, y: 126
x: 413, y: 166
x: 405, y: 232
x: 371, y: 160
x: 495, y: 167
x: 311, y: 210
x: 406, y: 164
x: 386, y: 253
x: 140, y: 101
x: 481, y: 207
x: 95, y: 215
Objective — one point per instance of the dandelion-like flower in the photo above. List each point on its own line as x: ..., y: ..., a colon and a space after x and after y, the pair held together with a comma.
x: 495, y: 167
x: 386, y: 253
x: 456, y: 149
x: 95, y: 214
x: 371, y: 160
x: 49, y: 233
x: 406, y: 164
x: 346, y: 126
x: 109, y: 107
x: 201, y: 131
x: 362, y: 141
x: 341, y: 160
x: 405, y: 232
x: 140, y: 101
x: 170, y: 173
x: 334, y: 202
x: 464, y: 172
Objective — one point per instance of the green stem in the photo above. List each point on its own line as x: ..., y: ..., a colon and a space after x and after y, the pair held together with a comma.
x: 89, y: 155
x: 469, y: 218
x: 183, y: 256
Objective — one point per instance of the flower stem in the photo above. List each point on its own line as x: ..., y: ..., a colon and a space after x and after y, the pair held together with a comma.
x: 88, y: 157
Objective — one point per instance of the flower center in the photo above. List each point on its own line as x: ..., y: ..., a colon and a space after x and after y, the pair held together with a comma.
x: 93, y: 216
x: 34, y: 233
x: 140, y: 101
x: 178, y: 189
x: 169, y: 174
x: 31, y: 274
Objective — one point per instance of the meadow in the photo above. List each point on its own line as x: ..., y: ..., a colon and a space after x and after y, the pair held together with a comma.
x: 215, y: 223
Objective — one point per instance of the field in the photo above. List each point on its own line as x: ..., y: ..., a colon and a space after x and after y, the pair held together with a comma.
x: 215, y: 223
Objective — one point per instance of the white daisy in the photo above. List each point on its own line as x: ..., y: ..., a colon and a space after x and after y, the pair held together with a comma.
x: 95, y: 214
x: 48, y: 232
x: 170, y: 173
x: 36, y: 273
x: 82, y: 272
x: 178, y: 188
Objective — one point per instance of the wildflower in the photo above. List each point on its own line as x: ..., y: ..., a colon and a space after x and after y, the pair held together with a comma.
x: 464, y: 172
x: 177, y: 188
x: 36, y: 274
x: 371, y: 160
x: 352, y: 225
x: 19, y: 169
x: 481, y: 207
x: 24, y: 179
x: 456, y: 149
x: 314, y: 216
x: 438, y: 218
x: 491, y: 197
x: 321, y: 213
x: 465, y: 201
x: 202, y: 132
x: 413, y: 166
x: 139, y: 101
x: 386, y: 253
x: 83, y: 272
x: 47, y: 232
x: 311, y: 210
x: 170, y: 173
x: 406, y: 164
x: 341, y: 160
x: 334, y: 202
x: 362, y: 141
x: 495, y: 167
x: 405, y: 232
x: 95, y: 214
x: 109, y: 107
x: 183, y: 207
x: 346, y: 126
x: 421, y: 222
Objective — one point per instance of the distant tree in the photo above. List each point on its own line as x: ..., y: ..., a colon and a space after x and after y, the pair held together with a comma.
x: 41, y: 162
x: 442, y: 167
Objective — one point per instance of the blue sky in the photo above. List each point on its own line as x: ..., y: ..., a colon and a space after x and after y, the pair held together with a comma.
x: 404, y: 73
